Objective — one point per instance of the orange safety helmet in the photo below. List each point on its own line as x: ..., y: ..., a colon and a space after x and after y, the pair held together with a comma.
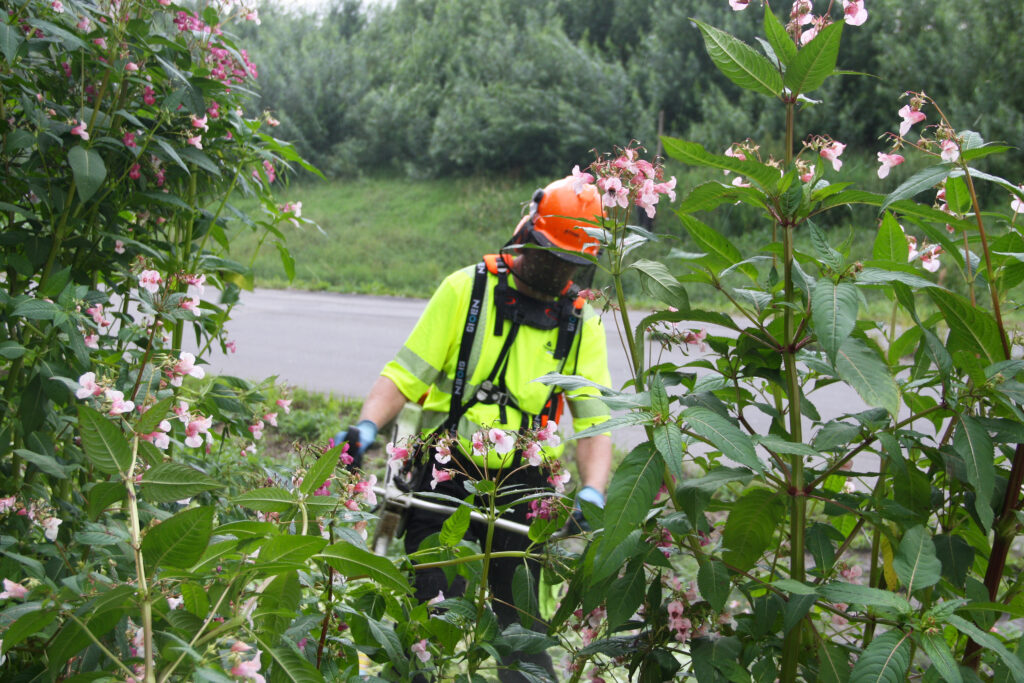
x: 555, y: 215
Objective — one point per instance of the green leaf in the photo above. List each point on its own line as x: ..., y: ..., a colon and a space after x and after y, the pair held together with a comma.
x: 524, y: 594
x: 863, y: 369
x: 972, y: 443
x: 10, y: 41
x: 320, y: 471
x: 661, y: 284
x: 287, y: 260
x: 625, y: 596
x: 270, y: 499
x: 879, y: 276
x: 88, y: 170
x: 284, y: 552
x: 26, y: 626
x: 916, y: 562
x: 740, y: 63
x: 885, y: 660
x: 957, y: 197
x: 970, y: 328
x: 11, y: 350
x: 720, y: 251
x: 180, y: 540
x: 723, y: 435
x: 102, y: 495
x: 714, y: 584
x: 956, y: 556
x: 989, y: 642
x: 69, y: 40
x: 780, y: 40
x: 833, y: 663
x: 934, y: 645
x: 750, y: 527
x: 668, y: 439
x: 815, y: 62
x: 45, y: 463
x: 150, y: 420
x: 104, y: 443
x: 455, y: 527
x: 891, y: 241
x: 919, y: 182
x: 854, y: 594
x: 834, y: 314
x: 35, y: 309
x: 171, y: 481
x: 289, y: 664
x: 632, y: 490
x: 353, y: 562
x: 610, y: 558
x: 694, y: 154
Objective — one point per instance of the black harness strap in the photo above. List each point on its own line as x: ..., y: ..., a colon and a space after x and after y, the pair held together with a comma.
x: 494, y: 390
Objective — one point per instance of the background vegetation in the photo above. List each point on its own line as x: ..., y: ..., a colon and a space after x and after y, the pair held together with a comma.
x: 442, y: 87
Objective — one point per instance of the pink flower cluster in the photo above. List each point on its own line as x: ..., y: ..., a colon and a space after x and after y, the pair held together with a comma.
x: 929, y: 254
x: 88, y: 387
x: 677, y: 620
x: 801, y: 15
x: 228, y: 70
x: 544, y: 508
x: 184, y: 366
x: 627, y: 178
x: 197, y: 427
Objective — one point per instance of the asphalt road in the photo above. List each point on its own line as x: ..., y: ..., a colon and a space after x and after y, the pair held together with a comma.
x: 339, y: 343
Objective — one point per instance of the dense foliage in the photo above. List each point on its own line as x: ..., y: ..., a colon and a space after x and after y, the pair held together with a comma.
x: 753, y: 536
x: 441, y: 86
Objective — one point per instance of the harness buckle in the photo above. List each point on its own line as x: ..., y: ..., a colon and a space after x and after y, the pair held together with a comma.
x: 488, y: 393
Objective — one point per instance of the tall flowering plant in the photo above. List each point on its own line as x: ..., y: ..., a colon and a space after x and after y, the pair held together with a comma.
x: 866, y: 541
x: 123, y: 138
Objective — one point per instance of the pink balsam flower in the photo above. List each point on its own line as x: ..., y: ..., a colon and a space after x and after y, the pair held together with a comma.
x: 854, y: 12
x: 831, y: 153
x: 887, y: 161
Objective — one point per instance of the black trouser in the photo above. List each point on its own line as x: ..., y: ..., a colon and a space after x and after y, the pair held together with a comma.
x: 421, y: 524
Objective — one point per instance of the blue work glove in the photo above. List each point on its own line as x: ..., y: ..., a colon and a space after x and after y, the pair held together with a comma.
x: 591, y: 496
x: 359, y: 438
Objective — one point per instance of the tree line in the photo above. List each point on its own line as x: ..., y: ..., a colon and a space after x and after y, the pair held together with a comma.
x: 442, y: 87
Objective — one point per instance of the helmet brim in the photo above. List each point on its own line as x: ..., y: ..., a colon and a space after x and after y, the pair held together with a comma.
x: 572, y: 257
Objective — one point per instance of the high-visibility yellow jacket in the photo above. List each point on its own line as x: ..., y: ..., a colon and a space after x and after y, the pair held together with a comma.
x: 425, y: 365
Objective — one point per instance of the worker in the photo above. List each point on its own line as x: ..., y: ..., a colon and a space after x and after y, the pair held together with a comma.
x: 508, y: 320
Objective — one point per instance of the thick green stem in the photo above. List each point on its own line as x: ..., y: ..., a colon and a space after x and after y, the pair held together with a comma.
x: 798, y: 504
x: 146, y: 602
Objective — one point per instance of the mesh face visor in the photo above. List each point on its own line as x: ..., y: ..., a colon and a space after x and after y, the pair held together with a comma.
x: 543, y: 270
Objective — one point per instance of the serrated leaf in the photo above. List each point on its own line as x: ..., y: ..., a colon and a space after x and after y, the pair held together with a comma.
x: 668, y: 439
x: 892, y: 579
x: 919, y: 182
x: 834, y: 314
x: 750, y: 527
x: 287, y: 551
x: 780, y: 40
x: 864, y: 370
x: 151, y: 419
x: 661, y: 284
x: 714, y: 583
x: 35, y: 309
x: 815, y: 62
x: 720, y: 251
x: 988, y: 641
x: 290, y: 665
x: 891, y: 241
x: 26, y: 626
x: 321, y: 470
x: 934, y: 645
x: 916, y: 563
x: 354, y: 562
x: 455, y: 527
x: 180, y: 540
x: 879, y: 276
x: 171, y: 481
x: 833, y: 663
x: 270, y: 499
x: 740, y: 63
x: 102, y: 495
x: 970, y: 328
x: 854, y: 594
x: 88, y: 170
x: 957, y: 197
x: 694, y: 154
x: 625, y: 596
x: 103, y: 442
x: 632, y: 490
x: 972, y: 443
x: 10, y: 41
x: 723, y: 435
x: 885, y: 660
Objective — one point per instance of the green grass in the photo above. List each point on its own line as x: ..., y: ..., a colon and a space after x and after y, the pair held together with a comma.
x: 389, y: 235
x: 396, y: 236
